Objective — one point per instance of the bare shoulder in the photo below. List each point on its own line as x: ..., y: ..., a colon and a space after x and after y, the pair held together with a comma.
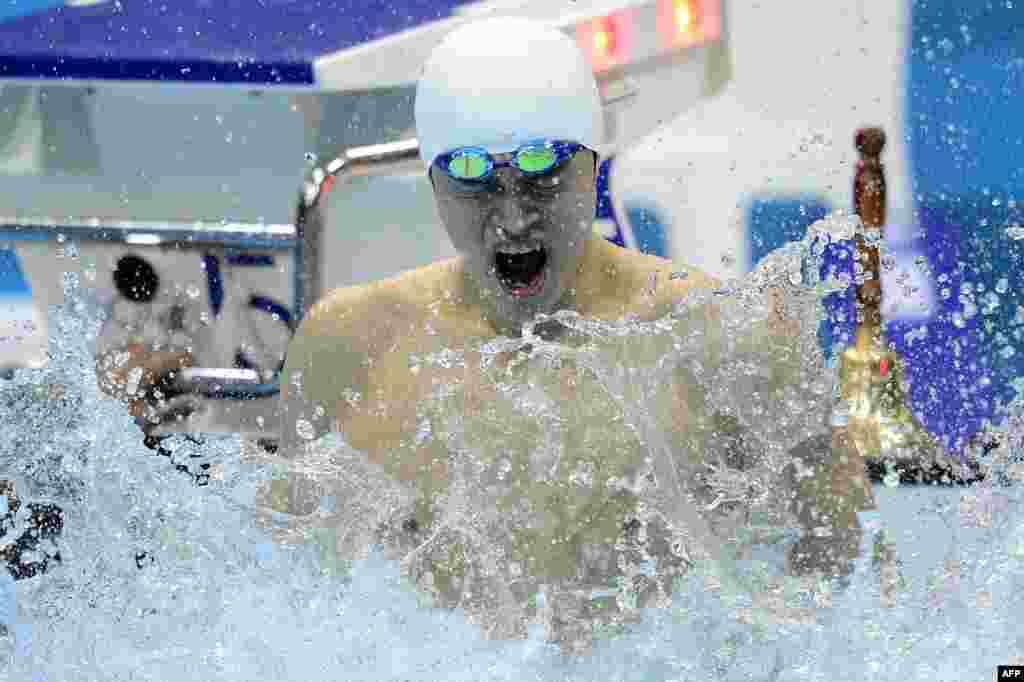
x: 656, y: 284
x: 353, y: 324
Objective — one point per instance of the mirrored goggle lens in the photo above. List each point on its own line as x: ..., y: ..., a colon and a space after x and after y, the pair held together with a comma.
x: 469, y: 166
x: 536, y: 159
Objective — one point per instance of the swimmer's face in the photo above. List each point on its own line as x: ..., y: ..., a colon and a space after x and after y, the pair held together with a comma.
x: 521, y: 237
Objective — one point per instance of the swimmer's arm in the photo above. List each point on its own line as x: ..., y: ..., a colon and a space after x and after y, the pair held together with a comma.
x: 325, y: 364
x: 327, y: 415
x: 825, y: 485
x: 326, y: 381
x: 826, y: 481
x: 327, y: 374
x: 323, y: 360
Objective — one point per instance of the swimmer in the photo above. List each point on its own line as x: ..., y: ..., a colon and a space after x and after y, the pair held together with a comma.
x: 507, y: 481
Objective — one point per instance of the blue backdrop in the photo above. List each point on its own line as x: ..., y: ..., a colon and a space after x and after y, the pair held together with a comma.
x: 965, y: 129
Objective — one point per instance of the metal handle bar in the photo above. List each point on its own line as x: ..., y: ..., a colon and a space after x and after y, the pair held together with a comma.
x: 393, y: 158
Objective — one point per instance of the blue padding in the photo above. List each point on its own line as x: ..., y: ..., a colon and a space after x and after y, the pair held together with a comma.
x: 229, y: 41
x: 649, y: 228
x: 252, y: 260
x: 604, y: 201
x: 13, y: 283
x: 272, y: 307
x: 774, y: 221
x: 10, y: 9
x: 965, y: 133
x: 214, y: 282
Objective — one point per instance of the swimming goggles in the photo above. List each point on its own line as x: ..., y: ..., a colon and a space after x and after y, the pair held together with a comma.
x: 475, y: 164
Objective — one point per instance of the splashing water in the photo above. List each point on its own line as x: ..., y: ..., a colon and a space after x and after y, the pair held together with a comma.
x: 165, y: 580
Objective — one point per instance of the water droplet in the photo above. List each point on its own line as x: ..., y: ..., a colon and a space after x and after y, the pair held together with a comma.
x: 840, y: 414
x: 991, y: 301
x: 304, y: 429
x: 424, y: 430
x: 1015, y: 232
x: 872, y: 236
x: 1003, y: 285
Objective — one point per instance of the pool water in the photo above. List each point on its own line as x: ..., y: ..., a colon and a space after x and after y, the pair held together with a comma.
x: 161, y: 579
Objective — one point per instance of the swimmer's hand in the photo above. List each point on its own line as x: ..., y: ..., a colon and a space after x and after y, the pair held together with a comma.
x: 134, y: 373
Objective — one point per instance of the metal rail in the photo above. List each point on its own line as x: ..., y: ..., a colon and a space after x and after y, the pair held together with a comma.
x: 368, y: 161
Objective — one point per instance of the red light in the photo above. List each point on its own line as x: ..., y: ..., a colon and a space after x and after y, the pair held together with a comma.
x: 684, y: 18
x: 603, y: 39
x: 884, y: 367
x: 327, y: 185
x: 606, y: 40
x: 684, y: 23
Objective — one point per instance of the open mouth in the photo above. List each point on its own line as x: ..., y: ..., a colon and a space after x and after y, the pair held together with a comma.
x: 520, y: 268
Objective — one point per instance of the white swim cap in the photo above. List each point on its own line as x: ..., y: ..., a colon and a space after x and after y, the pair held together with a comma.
x: 499, y: 83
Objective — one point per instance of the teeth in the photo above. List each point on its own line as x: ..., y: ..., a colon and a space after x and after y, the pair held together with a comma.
x: 518, y: 248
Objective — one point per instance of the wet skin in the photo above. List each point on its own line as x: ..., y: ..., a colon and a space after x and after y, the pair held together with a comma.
x: 357, y: 341
x: 555, y: 210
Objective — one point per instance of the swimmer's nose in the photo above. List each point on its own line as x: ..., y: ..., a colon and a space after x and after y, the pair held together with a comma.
x: 512, y: 220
